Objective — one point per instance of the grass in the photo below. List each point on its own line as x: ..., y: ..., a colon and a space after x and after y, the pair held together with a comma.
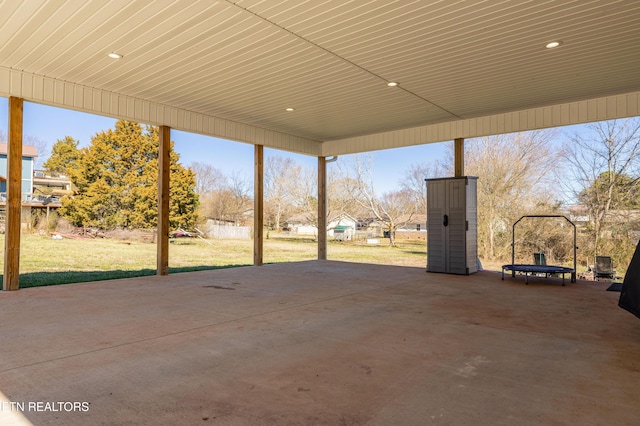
x: 45, y: 261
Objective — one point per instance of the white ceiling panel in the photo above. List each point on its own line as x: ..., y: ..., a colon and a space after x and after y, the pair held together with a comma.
x: 245, y: 61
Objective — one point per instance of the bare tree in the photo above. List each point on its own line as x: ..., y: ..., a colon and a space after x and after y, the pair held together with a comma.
x: 604, y: 165
x: 281, y: 176
x: 42, y: 148
x: 413, y: 182
x: 397, y: 209
x: 511, y: 172
x: 393, y: 209
x: 208, y: 178
x: 306, y: 196
x: 229, y: 201
x: 242, y: 196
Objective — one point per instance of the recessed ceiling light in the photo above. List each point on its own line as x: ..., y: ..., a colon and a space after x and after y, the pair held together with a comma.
x: 553, y: 44
x: 114, y: 55
x: 290, y: 109
x: 392, y: 83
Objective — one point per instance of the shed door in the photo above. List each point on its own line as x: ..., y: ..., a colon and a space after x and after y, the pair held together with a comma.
x: 436, y: 239
x: 456, y: 237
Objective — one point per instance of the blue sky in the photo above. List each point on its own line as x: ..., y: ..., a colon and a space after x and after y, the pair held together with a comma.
x: 49, y: 124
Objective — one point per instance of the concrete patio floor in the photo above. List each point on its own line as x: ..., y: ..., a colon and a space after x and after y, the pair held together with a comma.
x: 319, y: 342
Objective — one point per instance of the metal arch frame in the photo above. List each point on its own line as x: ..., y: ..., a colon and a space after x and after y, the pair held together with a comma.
x: 575, y: 235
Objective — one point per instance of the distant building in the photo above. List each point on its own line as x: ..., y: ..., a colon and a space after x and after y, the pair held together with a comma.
x: 40, y: 189
x: 29, y: 153
x: 412, y: 223
x: 302, y: 224
x: 407, y: 226
x: 616, y: 220
x: 578, y: 214
x: 50, y: 186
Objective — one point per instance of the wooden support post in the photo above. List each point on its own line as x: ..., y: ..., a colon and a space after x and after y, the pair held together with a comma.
x: 164, y: 169
x: 322, y: 208
x: 459, y: 157
x: 13, y: 221
x: 258, y: 205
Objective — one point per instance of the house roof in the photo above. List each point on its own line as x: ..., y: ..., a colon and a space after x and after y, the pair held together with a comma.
x: 414, y: 218
x: 27, y: 150
x: 309, y: 217
x: 231, y: 68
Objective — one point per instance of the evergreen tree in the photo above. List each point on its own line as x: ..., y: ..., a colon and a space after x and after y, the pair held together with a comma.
x: 64, y: 153
x: 183, y: 201
x: 622, y: 189
x: 117, y: 181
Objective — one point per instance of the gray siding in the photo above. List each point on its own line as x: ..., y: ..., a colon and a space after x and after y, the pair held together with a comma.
x: 452, y: 248
x: 436, y: 232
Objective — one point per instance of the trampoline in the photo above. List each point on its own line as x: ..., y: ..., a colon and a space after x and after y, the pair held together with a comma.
x: 540, y: 269
x: 537, y: 269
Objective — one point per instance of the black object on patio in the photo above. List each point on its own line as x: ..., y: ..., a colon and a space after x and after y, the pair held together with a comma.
x: 630, y: 294
x: 603, y: 268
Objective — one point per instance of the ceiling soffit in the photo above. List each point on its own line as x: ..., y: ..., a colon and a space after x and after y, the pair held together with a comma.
x: 230, y: 68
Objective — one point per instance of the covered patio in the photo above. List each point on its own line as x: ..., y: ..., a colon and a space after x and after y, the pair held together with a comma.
x: 319, y: 342
x: 322, y: 79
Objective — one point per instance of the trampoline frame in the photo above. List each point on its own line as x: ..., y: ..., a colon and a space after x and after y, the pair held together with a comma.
x: 545, y: 269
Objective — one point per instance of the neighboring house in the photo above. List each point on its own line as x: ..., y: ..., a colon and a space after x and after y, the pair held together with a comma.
x: 414, y: 222
x: 51, y: 185
x: 40, y: 189
x: 579, y: 214
x: 411, y: 226
x: 616, y: 221
x: 407, y: 223
x: 371, y: 227
x: 302, y: 225
x: 28, y: 154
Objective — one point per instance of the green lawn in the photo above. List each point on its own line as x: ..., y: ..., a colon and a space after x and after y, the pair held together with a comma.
x: 45, y: 261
